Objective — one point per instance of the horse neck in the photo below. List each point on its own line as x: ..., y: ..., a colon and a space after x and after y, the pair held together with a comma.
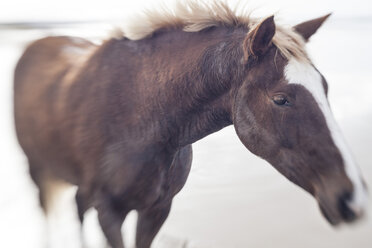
x: 200, y: 101
x: 194, y: 121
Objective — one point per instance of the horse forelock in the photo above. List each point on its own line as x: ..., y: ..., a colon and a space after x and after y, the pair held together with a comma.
x: 194, y: 16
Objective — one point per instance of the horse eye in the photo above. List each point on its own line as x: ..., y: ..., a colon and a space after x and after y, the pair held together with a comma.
x: 280, y: 100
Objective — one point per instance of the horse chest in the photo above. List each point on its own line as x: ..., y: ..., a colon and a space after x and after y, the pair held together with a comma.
x: 143, y: 185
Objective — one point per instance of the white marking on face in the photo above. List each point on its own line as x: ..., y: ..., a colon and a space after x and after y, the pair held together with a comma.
x: 302, y: 73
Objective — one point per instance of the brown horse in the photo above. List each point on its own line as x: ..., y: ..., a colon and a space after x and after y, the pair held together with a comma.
x: 118, y: 119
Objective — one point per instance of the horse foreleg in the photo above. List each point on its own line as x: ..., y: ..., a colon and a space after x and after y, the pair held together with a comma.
x: 111, y: 220
x: 83, y: 203
x: 149, y: 223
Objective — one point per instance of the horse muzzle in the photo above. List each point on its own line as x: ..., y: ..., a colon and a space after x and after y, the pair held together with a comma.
x: 347, y: 207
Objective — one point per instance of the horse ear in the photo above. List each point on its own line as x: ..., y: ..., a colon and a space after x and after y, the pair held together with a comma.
x: 259, y: 39
x: 308, y: 28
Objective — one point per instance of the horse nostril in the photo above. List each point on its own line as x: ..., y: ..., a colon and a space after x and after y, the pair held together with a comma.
x: 343, y: 206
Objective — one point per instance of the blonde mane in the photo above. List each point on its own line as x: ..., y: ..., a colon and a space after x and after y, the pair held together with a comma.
x: 194, y: 16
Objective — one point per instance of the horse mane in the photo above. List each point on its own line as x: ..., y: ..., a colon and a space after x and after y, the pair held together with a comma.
x: 194, y: 16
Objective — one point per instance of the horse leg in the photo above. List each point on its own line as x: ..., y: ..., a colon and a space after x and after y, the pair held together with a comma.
x: 83, y: 203
x: 111, y: 220
x: 151, y: 219
x: 149, y: 223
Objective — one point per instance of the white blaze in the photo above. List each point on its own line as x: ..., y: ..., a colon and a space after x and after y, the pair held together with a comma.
x: 303, y: 73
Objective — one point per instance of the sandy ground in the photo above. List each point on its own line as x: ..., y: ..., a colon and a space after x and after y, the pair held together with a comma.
x: 232, y: 198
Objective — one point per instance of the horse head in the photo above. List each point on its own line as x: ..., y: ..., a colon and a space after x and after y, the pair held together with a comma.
x: 281, y: 113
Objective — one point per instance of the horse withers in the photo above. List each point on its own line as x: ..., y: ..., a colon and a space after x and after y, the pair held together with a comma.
x: 118, y: 119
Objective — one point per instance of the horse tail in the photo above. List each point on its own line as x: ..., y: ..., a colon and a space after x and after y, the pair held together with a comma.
x: 49, y: 187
